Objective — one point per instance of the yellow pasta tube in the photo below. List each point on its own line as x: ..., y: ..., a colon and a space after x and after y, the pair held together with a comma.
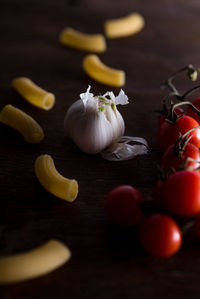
x: 82, y: 41
x: 102, y: 73
x: 125, y: 26
x: 33, y: 93
x: 53, y: 181
x: 23, y: 123
x: 34, y: 263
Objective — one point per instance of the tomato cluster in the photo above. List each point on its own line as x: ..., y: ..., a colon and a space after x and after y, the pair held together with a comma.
x: 178, y: 189
x: 159, y: 234
x: 179, y: 139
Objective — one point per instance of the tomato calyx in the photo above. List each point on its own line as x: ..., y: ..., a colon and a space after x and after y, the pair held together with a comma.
x: 173, y: 116
x: 166, y: 111
x: 188, y: 167
x: 179, y: 146
x: 163, y: 175
x: 182, y: 141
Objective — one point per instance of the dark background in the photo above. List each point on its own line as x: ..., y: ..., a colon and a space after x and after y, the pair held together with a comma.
x: 107, y: 261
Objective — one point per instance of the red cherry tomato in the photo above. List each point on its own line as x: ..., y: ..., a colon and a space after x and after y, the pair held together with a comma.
x: 173, y: 159
x: 191, y: 112
x: 181, y: 193
x: 160, y: 236
x: 122, y: 205
x: 179, y: 112
x: 168, y: 133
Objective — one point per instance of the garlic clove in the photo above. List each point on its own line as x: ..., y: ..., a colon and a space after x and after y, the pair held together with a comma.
x: 116, y: 121
x: 122, y: 150
x: 95, y: 135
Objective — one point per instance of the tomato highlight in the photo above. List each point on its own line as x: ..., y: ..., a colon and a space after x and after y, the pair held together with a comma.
x: 160, y: 236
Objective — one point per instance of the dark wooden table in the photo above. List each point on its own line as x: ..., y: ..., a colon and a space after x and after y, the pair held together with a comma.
x: 107, y: 261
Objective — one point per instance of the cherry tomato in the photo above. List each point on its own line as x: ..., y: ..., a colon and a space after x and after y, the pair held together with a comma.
x: 160, y: 236
x: 181, y: 193
x: 191, y: 112
x: 179, y: 112
x: 122, y: 205
x: 174, y: 159
x: 168, y: 132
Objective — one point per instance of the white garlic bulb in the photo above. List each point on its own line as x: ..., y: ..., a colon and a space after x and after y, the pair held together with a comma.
x: 93, y: 122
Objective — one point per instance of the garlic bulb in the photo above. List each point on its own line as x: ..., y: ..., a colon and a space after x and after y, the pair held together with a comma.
x: 93, y: 122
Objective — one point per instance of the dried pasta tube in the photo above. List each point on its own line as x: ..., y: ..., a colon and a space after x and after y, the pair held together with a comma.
x: 102, y: 73
x: 33, y: 263
x: 33, y: 93
x: 82, y: 41
x: 53, y: 181
x: 125, y: 26
x: 23, y: 123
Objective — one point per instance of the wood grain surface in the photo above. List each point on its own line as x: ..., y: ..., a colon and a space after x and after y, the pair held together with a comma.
x: 107, y: 261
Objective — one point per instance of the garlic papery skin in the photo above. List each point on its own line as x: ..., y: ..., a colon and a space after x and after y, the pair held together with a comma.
x: 126, y: 148
x: 93, y: 122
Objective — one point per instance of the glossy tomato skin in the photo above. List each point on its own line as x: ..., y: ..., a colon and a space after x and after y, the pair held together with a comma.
x: 179, y: 112
x: 122, y: 205
x: 172, y: 160
x: 191, y: 112
x: 160, y: 236
x: 181, y: 193
x: 168, y: 133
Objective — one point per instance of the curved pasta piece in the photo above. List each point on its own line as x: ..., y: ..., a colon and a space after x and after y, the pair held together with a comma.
x: 33, y: 93
x: 34, y: 263
x: 102, y: 73
x: 23, y: 123
x: 125, y: 26
x: 53, y: 181
x: 82, y: 41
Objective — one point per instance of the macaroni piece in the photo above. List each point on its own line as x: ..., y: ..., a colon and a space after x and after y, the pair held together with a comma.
x: 33, y: 93
x: 23, y: 123
x: 102, y: 73
x: 34, y: 263
x: 53, y: 181
x: 126, y: 26
x: 82, y: 41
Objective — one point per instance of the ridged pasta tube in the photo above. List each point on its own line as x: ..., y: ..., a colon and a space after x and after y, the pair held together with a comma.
x: 34, y: 263
x: 53, y: 181
x: 23, y: 123
x: 33, y: 93
x: 82, y: 41
x: 125, y: 26
x: 102, y: 73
